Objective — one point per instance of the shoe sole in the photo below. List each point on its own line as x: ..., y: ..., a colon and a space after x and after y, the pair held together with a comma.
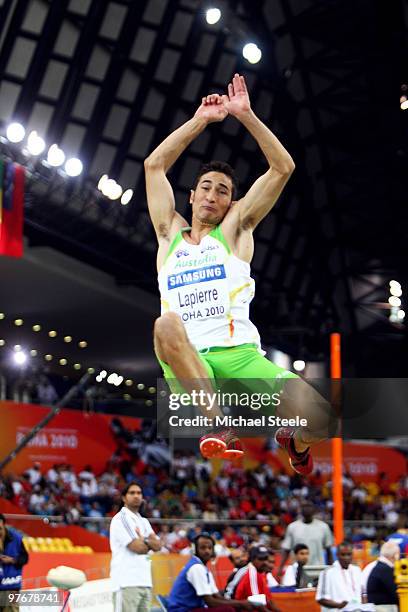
x: 212, y: 447
x: 232, y: 454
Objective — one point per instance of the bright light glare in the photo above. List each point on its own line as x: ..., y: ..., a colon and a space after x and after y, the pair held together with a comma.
x: 115, y: 191
x: 73, y: 166
x: 213, y: 15
x: 107, y: 186
x: 126, y: 196
x: 56, y: 156
x: 35, y: 144
x: 118, y: 381
x: 103, y: 374
x: 401, y: 315
x: 15, y: 132
x: 394, y: 301
x: 20, y: 357
x: 395, y: 290
x: 394, y: 283
x: 102, y: 181
x: 404, y: 105
x: 299, y: 365
x: 252, y: 53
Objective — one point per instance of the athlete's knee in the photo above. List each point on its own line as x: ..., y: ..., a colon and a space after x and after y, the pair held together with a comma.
x: 169, y: 332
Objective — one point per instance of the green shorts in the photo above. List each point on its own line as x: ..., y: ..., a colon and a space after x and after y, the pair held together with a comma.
x: 236, y: 369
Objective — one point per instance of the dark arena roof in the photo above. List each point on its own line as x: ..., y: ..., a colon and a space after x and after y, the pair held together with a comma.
x: 107, y: 81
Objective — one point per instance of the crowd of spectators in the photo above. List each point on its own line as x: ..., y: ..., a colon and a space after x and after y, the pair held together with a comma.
x: 189, y: 489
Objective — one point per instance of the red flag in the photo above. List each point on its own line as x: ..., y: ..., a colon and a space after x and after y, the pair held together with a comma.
x: 11, y: 209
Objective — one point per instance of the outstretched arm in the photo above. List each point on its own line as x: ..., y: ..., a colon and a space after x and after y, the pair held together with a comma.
x: 160, y: 197
x: 263, y: 194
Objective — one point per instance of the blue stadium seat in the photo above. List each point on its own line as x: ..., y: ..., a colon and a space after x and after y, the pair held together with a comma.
x: 163, y: 601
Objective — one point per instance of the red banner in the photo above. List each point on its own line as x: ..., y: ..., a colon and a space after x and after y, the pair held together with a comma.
x: 70, y: 437
x: 11, y: 209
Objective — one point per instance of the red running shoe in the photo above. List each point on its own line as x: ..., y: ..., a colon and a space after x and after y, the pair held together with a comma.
x: 302, y: 462
x: 221, y: 444
x: 234, y: 450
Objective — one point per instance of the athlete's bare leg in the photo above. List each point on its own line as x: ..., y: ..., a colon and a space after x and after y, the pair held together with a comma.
x: 173, y: 347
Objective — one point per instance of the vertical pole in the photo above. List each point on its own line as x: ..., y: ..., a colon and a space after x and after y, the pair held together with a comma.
x: 337, y: 447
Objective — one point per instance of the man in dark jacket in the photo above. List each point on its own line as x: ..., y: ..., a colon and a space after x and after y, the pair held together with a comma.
x: 381, y: 588
x: 13, y: 556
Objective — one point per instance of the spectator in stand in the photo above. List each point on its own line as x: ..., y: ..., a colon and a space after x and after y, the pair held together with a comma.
x: 294, y: 575
x: 311, y: 531
x: 340, y: 584
x: 13, y: 556
x: 34, y: 474
x: 381, y: 587
x: 46, y: 392
x: 253, y: 579
x: 194, y: 589
x: 401, y: 534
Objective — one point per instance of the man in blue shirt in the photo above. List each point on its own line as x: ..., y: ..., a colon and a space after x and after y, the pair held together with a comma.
x: 13, y: 556
x: 400, y: 536
x: 195, y: 590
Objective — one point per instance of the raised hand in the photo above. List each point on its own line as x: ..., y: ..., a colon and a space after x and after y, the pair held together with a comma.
x: 212, y: 108
x: 237, y: 101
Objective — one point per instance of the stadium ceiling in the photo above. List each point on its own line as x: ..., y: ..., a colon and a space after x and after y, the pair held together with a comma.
x: 107, y: 81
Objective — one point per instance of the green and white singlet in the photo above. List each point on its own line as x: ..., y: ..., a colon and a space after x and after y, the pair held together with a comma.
x: 211, y: 289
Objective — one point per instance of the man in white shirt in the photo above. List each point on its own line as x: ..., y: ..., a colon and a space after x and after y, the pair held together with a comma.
x: 131, y: 537
x: 294, y: 575
x: 340, y: 585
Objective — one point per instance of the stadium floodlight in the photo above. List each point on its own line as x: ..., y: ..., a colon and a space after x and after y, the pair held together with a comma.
x: 213, y: 15
x: 252, y: 53
x: 404, y: 103
x: 103, y: 374
x: 394, y: 283
x: 19, y: 357
x: 118, y: 381
x: 55, y: 156
x: 73, y: 166
x: 401, y: 314
x: 107, y: 186
x: 394, y: 301
x: 35, y: 144
x: 396, y: 290
x: 112, y: 378
x: 126, y: 196
x: 102, y: 181
x: 115, y: 191
x: 299, y: 365
x: 15, y: 132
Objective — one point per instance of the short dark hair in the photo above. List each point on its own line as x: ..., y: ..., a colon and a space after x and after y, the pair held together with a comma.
x: 218, y: 166
x: 345, y: 544
x: 300, y: 547
x: 204, y: 535
x: 2, y: 518
x: 133, y: 483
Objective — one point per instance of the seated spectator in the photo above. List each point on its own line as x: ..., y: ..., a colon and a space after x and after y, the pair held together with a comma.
x: 239, y: 559
x: 195, y: 590
x: 381, y: 587
x: 270, y: 578
x: 294, y: 575
x: 253, y: 579
x: 340, y: 584
x: 13, y: 556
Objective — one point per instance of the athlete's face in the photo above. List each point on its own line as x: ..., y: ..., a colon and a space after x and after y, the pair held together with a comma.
x: 212, y: 197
